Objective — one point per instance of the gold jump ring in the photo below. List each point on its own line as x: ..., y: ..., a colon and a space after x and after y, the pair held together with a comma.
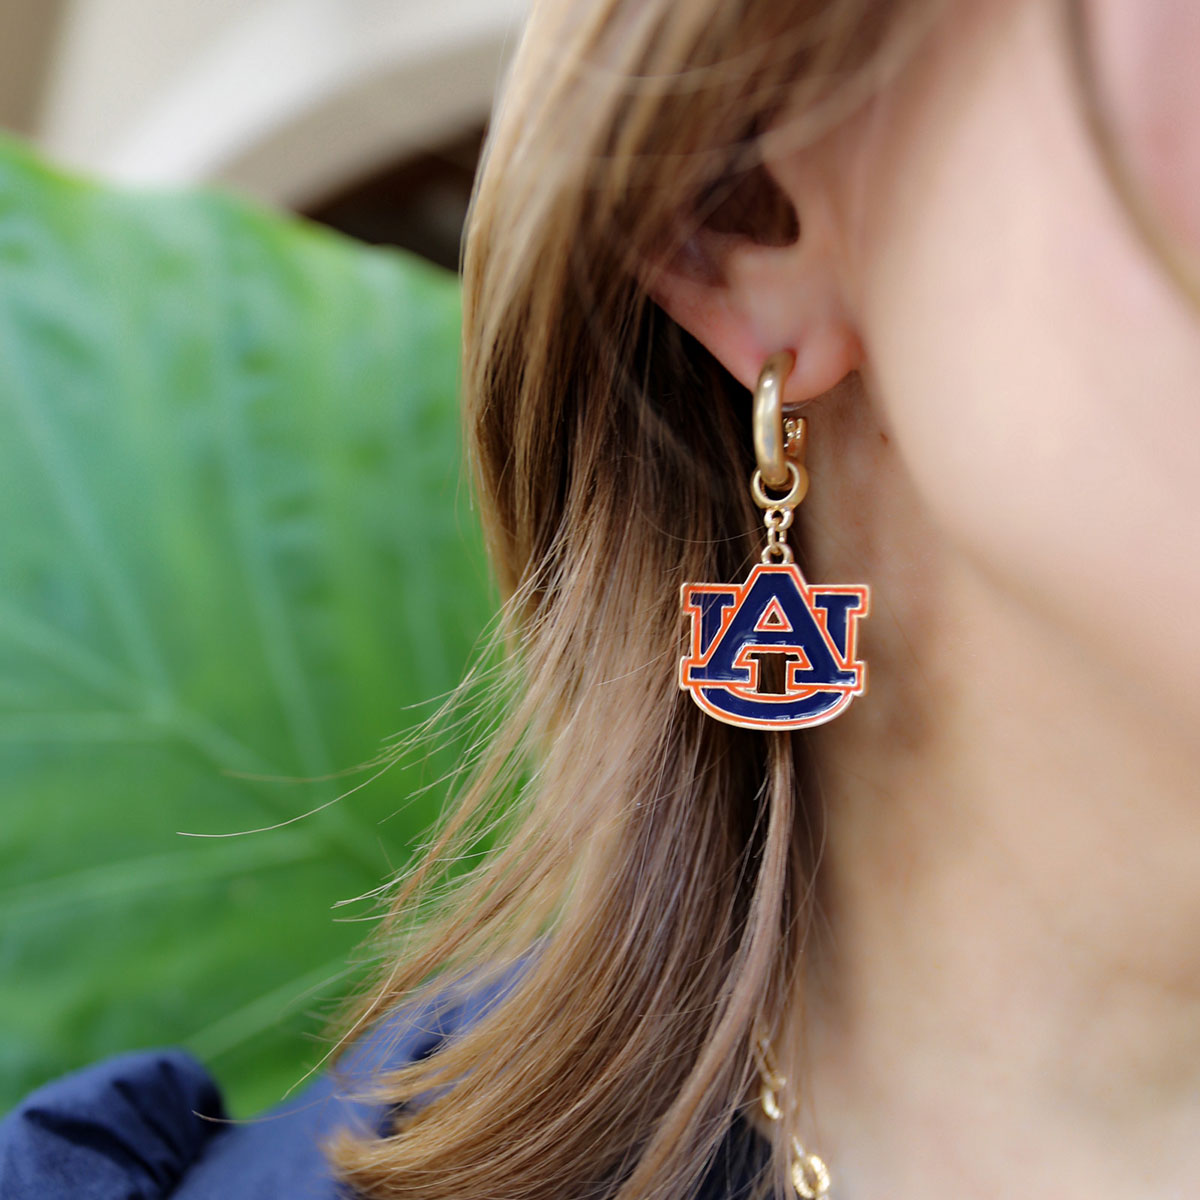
x: 795, y: 476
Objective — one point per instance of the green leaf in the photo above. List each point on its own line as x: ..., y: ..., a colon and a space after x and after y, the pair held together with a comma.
x: 234, y: 554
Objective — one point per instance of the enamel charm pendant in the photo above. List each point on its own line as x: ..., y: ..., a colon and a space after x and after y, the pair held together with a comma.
x: 774, y: 652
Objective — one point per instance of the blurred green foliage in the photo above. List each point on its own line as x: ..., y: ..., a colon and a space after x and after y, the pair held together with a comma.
x: 234, y: 550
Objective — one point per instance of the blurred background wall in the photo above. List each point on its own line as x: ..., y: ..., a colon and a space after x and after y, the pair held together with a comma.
x: 364, y: 114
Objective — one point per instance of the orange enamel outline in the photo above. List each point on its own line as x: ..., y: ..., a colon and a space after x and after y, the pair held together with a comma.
x: 739, y: 593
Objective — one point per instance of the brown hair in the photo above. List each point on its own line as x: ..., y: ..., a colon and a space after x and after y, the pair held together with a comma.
x: 655, y: 857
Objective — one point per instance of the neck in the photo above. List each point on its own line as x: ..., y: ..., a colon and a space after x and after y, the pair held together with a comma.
x: 1003, y: 995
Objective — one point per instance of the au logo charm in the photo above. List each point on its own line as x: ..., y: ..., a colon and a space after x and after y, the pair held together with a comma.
x: 774, y: 652
x: 737, y: 629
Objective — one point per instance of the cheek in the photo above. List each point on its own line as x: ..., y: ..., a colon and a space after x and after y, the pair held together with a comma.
x: 1038, y: 371
x: 1145, y: 55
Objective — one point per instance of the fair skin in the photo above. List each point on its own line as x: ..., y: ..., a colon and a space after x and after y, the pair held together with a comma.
x: 1003, y: 997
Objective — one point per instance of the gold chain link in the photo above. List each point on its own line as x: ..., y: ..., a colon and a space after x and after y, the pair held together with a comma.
x: 778, y: 511
x: 778, y: 521
x: 808, y: 1172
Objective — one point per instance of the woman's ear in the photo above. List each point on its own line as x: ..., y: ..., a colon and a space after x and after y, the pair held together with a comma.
x: 746, y: 295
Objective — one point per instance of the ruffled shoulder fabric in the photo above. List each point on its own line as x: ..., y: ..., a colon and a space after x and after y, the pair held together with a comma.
x: 126, y: 1128
x: 152, y: 1126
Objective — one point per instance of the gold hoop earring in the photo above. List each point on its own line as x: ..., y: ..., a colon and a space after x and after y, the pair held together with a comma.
x: 776, y: 438
x: 736, y: 629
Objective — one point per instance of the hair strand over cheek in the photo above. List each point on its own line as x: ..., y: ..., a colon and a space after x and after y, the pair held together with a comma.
x: 659, y: 863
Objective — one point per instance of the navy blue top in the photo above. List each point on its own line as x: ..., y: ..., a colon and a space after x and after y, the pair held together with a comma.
x: 152, y: 1125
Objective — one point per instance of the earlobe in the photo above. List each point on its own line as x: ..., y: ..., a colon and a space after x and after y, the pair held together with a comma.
x: 830, y: 352
x: 745, y: 302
